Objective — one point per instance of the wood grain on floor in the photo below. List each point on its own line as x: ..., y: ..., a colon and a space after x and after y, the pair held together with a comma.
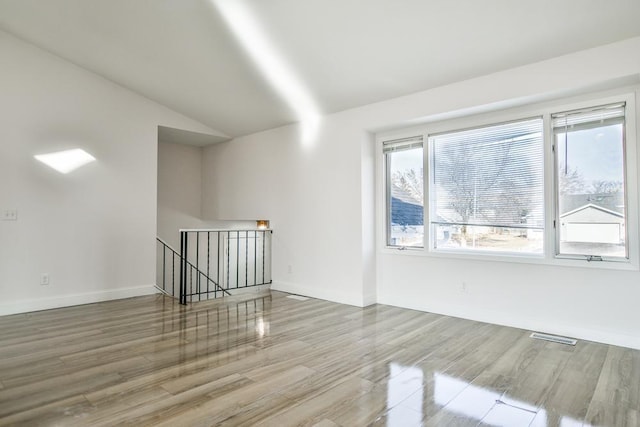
x: 264, y: 359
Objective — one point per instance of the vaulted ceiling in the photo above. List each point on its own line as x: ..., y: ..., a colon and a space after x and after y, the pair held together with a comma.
x: 191, y: 56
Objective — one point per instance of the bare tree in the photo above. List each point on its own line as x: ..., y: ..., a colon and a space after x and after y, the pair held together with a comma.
x: 606, y: 187
x: 570, y: 181
x: 411, y: 183
x: 486, y: 183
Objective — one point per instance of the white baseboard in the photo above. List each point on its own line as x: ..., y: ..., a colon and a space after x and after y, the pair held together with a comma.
x: 307, y: 291
x: 26, y: 306
x: 369, y: 299
x: 505, y: 319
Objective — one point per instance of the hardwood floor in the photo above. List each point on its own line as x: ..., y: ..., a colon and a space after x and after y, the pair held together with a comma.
x: 265, y: 359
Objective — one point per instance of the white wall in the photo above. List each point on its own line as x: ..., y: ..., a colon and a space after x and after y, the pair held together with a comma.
x: 311, y: 195
x: 179, y: 190
x: 318, y: 196
x: 180, y: 194
x: 92, y: 230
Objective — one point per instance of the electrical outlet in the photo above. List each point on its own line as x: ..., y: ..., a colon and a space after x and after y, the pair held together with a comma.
x: 44, y: 279
x: 289, y: 269
x: 463, y: 287
x: 10, y: 215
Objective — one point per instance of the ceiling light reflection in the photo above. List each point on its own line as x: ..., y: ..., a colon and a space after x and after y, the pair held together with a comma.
x: 481, y: 404
x: 404, y: 382
x: 262, y: 327
x: 66, y: 161
x: 277, y: 72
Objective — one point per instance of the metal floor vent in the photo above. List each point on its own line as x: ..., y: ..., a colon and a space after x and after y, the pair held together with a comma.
x: 554, y: 338
x: 297, y: 297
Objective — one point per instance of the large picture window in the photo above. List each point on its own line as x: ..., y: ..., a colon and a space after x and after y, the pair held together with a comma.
x: 541, y: 184
x: 487, y: 188
x: 404, y: 160
x: 591, y: 213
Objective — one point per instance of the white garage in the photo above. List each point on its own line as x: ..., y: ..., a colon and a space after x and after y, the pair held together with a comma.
x: 593, y: 233
x: 592, y: 224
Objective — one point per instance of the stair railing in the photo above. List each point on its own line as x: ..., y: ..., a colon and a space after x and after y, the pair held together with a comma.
x: 187, y: 270
x: 230, y: 259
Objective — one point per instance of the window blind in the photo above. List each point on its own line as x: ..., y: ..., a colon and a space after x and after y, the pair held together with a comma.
x: 604, y: 115
x: 402, y: 144
x: 489, y: 176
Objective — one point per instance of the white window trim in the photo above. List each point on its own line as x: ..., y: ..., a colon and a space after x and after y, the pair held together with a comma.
x: 556, y: 212
x: 628, y: 95
x: 387, y: 192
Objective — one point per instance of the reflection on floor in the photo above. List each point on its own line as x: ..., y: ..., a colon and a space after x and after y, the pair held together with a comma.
x: 275, y: 361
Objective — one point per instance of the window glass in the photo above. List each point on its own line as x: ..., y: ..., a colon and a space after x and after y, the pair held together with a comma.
x: 487, y: 188
x: 405, y: 192
x: 590, y: 163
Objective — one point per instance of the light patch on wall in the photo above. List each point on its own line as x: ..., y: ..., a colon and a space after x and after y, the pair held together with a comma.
x: 66, y: 161
x: 278, y: 73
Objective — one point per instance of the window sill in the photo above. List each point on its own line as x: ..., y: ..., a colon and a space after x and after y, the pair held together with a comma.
x: 623, y: 265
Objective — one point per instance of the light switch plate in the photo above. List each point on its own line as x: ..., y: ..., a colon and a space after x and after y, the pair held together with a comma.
x: 10, y: 215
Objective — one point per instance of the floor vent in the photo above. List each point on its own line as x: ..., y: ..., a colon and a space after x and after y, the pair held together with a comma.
x: 297, y: 297
x: 554, y: 338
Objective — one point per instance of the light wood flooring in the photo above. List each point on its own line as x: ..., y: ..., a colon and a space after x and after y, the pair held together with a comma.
x: 269, y: 360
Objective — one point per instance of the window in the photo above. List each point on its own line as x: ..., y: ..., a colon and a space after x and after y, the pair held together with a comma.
x: 590, y: 175
x: 405, y: 194
x: 544, y: 184
x: 487, y: 188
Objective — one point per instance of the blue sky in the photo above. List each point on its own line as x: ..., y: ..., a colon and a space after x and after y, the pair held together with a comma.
x: 597, y: 154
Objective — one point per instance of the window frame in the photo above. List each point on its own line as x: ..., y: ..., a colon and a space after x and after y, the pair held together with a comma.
x: 460, y: 121
x: 431, y: 181
x: 556, y: 188
x: 388, y: 193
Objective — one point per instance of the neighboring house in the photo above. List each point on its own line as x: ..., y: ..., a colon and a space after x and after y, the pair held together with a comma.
x: 407, y: 218
x: 405, y: 210
x: 610, y: 201
x: 592, y: 223
x: 404, y: 213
